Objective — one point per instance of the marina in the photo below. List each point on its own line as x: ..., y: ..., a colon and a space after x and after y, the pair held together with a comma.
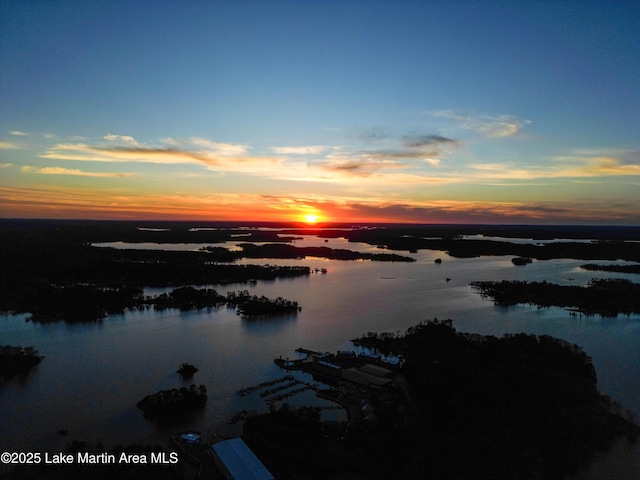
x: 281, y: 390
x: 246, y: 391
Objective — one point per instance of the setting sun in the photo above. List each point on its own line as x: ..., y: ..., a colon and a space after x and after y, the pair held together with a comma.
x: 311, y: 219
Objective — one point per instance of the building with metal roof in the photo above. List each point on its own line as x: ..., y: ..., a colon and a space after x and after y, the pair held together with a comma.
x: 364, y: 377
x: 236, y: 461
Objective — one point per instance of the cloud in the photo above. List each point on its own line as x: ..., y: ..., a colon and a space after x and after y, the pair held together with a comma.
x: 414, y: 152
x: 370, y: 134
x: 398, y: 163
x: 629, y: 155
x: 420, y: 141
x: 449, y: 211
x: 309, y: 150
x: 9, y: 146
x: 411, y: 152
x: 362, y: 164
x: 600, y: 162
x: 579, y: 164
x: 608, y: 166
x: 6, y: 165
x: 491, y: 126
x: 219, y: 148
x: 219, y: 157
x: 398, y: 154
x: 63, y: 202
x: 100, y: 202
x: 68, y: 171
x: 352, y: 209
x: 18, y: 133
x: 83, y: 152
x: 223, y: 149
x: 121, y: 138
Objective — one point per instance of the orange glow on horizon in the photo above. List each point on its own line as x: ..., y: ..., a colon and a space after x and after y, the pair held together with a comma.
x: 108, y: 204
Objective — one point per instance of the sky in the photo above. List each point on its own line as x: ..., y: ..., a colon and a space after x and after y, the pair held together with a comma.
x: 455, y: 111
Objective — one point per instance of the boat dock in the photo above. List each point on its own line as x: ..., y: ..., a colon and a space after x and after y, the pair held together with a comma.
x: 246, y: 391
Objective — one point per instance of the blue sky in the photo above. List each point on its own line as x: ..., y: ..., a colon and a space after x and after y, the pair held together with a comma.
x: 462, y: 111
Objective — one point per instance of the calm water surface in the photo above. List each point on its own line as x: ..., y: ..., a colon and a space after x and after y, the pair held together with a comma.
x: 93, y: 375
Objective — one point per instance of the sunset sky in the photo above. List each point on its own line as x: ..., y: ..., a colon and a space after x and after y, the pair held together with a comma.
x: 352, y: 111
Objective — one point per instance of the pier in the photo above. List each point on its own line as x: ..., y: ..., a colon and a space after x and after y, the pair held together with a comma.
x: 246, y: 391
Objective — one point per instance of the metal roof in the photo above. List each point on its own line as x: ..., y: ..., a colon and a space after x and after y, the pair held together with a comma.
x: 240, y: 461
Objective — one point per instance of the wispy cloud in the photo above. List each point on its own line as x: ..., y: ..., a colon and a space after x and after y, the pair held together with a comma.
x: 223, y: 149
x: 409, y: 154
x: 203, y: 152
x: 19, y: 133
x: 491, y: 126
x: 364, y: 165
x: 6, y: 165
x: 370, y: 134
x: 609, y: 166
x: 83, y: 152
x: 421, y: 141
x: 9, y: 146
x: 70, y: 171
x: 308, y: 150
x: 600, y: 162
x: 121, y: 138
x: 220, y: 148
x: 579, y: 164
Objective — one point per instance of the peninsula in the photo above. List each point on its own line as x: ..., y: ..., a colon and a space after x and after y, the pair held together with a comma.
x: 607, y: 298
x: 519, y: 407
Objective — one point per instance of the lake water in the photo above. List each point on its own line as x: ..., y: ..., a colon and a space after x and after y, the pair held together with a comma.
x: 94, y: 374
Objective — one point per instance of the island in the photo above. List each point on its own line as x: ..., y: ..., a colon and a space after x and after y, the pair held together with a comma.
x: 519, y: 407
x: 175, y: 401
x: 186, y: 370
x: 91, y: 303
x: 605, y: 297
x: 250, y: 250
x: 15, y: 360
x: 520, y: 261
x: 247, y: 305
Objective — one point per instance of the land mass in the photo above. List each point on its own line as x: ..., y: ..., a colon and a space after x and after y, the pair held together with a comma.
x: 190, y: 298
x: 90, y: 303
x: 17, y: 360
x: 463, y: 406
x: 175, y: 401
x: 611, y: 268
x: 608, y: 297
x: 51, y: 270
x: 460, y: 405
x: 516, y: 407
x: 250, y: 250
